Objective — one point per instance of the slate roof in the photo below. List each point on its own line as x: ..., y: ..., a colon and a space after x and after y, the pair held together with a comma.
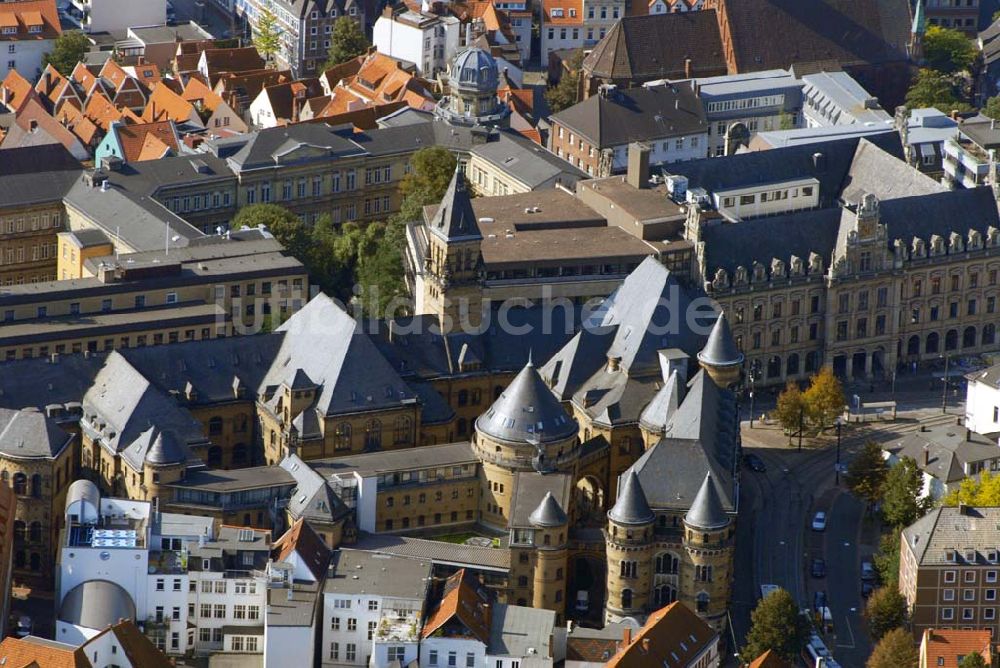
x: 631, y: 506
x: 636, y: 114
x: 875, y: 171
x: 943, y: 451
x: 259, y: 149
x: 946, y: 529
x: 520, y: 631
x: 445, y: 554
x: 657, y: 412
x: 29, y: 434
x: 989, y: 376
x: 454, y: 219
x: 38, y: 382
x: 312, y: 499
x: 643, y: 48
x: 720, y: 349
x: 706, y: 510
x: 846, y: 31
x: 548, y: 513
x: 526, y: 411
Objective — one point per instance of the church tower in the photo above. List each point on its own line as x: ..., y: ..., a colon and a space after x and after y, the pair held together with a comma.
x: 453, y: 261
x: 709, y: 544
x: 629, y: 544
x: 551, y: 529
x: 526, y: 429
x: 917, y: 32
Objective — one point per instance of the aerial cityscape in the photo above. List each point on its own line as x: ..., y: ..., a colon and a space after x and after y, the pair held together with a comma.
x: 499, y: 333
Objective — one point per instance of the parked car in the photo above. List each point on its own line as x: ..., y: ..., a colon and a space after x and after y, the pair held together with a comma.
x: 818, y: 569
x: 866, y: 589
x: 819, y: 521
x: 582, y: 600
x: 755, y: 462
x: 23, y: 627
x: 867, y: 571
x: 819, y: 600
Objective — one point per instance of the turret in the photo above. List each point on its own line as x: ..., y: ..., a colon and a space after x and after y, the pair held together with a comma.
x: 550, y: 526
x: 720, y: 357
x: 708, y: 533
x: 629, y: 544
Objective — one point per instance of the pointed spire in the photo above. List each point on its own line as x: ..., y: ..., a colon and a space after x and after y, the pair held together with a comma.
x: 919, y: 26
x: 455, y: 220
x: 707, y: 512
x: 548, y: 513
x: 631, y: 506
x: 720, y: 349
x: 657, y: 413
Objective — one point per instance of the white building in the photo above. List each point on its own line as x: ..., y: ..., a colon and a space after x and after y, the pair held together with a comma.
x: 373, y: 606
x: 117, y: 15
x: 27, y: 32
x: 427, y: 40
x: 835, y: 98
x: 982, y: 401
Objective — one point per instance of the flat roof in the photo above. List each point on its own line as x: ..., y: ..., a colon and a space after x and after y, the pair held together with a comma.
x: 361, y: 572
x: 590, y: 244
x: 438, y: 552
x: 373, y: 463
x: 643, y: 204
x: 235, y: 480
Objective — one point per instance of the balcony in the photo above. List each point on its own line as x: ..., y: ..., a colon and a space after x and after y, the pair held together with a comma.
x: 167, y: 562
x: 398, y: 626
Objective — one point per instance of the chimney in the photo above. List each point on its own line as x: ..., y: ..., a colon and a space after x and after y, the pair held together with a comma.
x: 638, y: 165
x: 687, y: 68
x: 954, y: 114
x: 33, y: 125
x: 627, y: 635
x: 614, y: 363
x: 645, y: 641
x: 6, y: 96
x: 819, y: 162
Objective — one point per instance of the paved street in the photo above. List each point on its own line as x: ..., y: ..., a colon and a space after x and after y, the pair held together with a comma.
x: 775, y: 544
x: 202, y: 12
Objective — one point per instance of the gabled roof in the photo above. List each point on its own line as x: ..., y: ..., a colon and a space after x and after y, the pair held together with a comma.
x: 769, y: 659
x: 671, y: 636
x: 196, y: 92
x: 658, y: 46
x: 656, y: 415
x: 631, y: 506
x: 302, y: 540
x: 635, y: 114
x: 237, y: 60
x: 33, y: 652
x: 29, y: 434
x: 33, y: 119
x: 101, y: 111
x: 164, y: 104
x: 16, y: 89
x: 284, y: 97
x: 462, y: 609
x: 33, y: 20
x: 945, y: 647
x: 135, y: 140
x: 312, y: 499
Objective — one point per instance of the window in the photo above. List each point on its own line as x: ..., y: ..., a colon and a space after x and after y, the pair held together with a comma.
x: 947, y: 614
x: 335, y: 623
x: 352, y: 624
x: 351, y: 652
x: 949, y: 577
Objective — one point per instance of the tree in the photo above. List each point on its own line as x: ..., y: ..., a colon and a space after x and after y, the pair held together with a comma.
x: 895, y: 650
x: 947, y: 50
x: 775, y: 624
x: 267, y: 34
x: 824, y: 398
x: 380, y: 274
x: 933, y: 89
x: 901, y: 504
x: 68, y: 49
x: 866, y: 473
x: 973, y: 660
x: 564, y: 93
x: 887, y: 559
x: 428, y: 179
x: 346, y: 42
x: 992, y: 107
x: 282, y: 223
x: 886, y: 610
x: 791, y: 407
x: 972, y: 492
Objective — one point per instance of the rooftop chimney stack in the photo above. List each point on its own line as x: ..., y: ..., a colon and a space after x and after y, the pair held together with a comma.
x: 638, y: 165
x: 687, y: 68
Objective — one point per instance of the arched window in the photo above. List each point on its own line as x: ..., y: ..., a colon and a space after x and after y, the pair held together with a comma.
x: 792, y: 366
x: 403, y: 430
x: 20, y: 483
x: 373, y: 434
x: 215, y: 426
x: 18, y: 531
x: 969, y: 337
x: 19, y: 559
x: 35, y: 532
x: 342, y: 437
x: 628, y: 569
x: 666, y: 563
x: 702, y: 602
x: 812, y: 361
x: 913, y: 345
x: 36, y: 486
x: 664, y: 595
x: 626, y: 599
x: 461, y: 426
x: 933, y: 341
x: 951, y: 340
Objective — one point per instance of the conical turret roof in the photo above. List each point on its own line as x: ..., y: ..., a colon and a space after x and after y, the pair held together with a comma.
x: 165, y: 449
x: 527, y: 411
x: 631, y: 506
x: 720, y: 349
x: 455, y: 220
x: 658, y: 412
x: 548, y: 513
x: 706, y: 512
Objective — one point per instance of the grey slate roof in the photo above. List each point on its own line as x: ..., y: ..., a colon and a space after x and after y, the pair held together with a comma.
x: 38, y: 382
x: 875, y: 171
x: 706, y: 510
x: 312, y: 499
x: 657, y: 413
x: 636, y: 114
x: 943, y: 451
x: 548, y: 513
x: 96, y: 604
x: 438, y: 552
x: 520, y: 631
x: 720, y: 349
x: 29, y: 434
x: 526, y: 411
x: 316, y: 140
x: 631, y: 506
x: 529, y: 491
x: 454, y: 219
x: 989, y: 376
x: 533, y: 165
x: 954, y: 529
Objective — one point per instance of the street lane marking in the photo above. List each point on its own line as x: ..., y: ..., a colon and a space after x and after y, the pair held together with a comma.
x: 850, y: 632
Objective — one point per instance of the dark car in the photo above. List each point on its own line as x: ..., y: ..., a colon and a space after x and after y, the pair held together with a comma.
x: 819, y: 600
x: 755, y: 462
x: 866, y: 589
x: 818, y: 569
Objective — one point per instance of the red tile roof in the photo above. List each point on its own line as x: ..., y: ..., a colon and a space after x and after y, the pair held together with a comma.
x: 30, y: 20
x: 34, y: 652
x: 16, y: 90
x: 572, y: 12
x: 464, y: 601
x: 165, y: 104
x: 147, y: 141
x: 769, y: 660
x: 307, y: 544
x: 943, y: 647
x: 673, y: 632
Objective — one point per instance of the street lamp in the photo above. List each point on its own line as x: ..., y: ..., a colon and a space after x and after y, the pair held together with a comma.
x: 840, y: 422
x: 754, y: 374
x: 944, y: 389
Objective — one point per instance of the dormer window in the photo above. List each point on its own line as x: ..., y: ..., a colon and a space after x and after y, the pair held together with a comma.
x: 949, y: 556
x: 34, y: 29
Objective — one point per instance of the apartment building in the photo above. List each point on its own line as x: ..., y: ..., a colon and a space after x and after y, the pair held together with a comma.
x: 969, y: 157
x: 948, y: 569
x: 982, y: 401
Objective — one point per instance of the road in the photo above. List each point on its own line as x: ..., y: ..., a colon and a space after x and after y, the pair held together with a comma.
x: 204, y: 13
x: 775, y: 544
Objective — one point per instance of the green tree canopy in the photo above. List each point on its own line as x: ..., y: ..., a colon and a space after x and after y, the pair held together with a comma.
x: 894, y: 650
x: 887, y: 559
x: 68, y: 49
x: 282, y: 223
x: 430, y: 173
x: 972, y: 492
x: 267, y: 34
x: 901, y: 503
x: 992, y: 107
x: 866, y: 473
x: 824, y: 398
x: 886, y: 610
x: 346, y: 42
x: 791, y: 406
x: 974, y: 660
x: 775, y: 624
x: 933, y: 89
x: 948, y: 50
x: 564, y: 93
